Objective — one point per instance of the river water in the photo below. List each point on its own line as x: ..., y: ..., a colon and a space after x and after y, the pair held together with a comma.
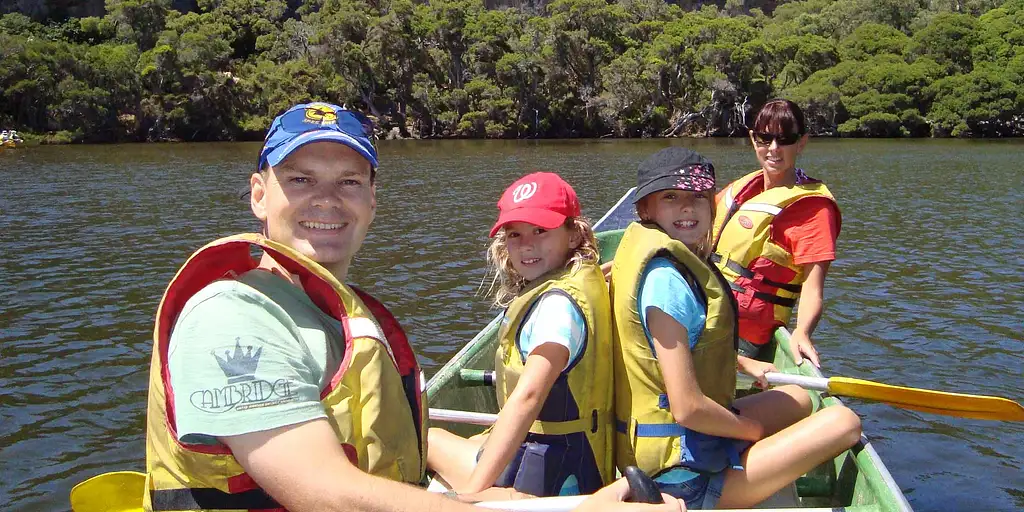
x: 927, y: 291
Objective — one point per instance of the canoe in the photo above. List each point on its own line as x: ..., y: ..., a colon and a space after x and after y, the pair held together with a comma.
x: 855, y: 481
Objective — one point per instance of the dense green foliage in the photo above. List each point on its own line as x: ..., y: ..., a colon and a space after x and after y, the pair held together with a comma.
x: 573, y: 68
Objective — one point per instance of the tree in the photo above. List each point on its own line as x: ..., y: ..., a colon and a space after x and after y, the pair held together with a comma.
x: 248, y: 20
x: 987, y: 102
x: 137, y: 21
x: 948, y: 39
x: 871, y: 39
x: 630, y: 102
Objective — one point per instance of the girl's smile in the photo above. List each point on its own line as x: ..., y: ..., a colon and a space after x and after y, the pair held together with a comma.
x: 683, y: 214
x: 535, y: 251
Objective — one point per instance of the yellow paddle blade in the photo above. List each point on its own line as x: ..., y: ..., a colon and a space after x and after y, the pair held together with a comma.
x: 120, y: 491
x: 926, y: 400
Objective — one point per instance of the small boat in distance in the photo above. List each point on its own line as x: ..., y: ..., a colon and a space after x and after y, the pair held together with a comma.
x: 10, y: 139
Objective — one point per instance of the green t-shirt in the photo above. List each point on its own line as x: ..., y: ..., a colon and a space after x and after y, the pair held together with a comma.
x: 250, y: 354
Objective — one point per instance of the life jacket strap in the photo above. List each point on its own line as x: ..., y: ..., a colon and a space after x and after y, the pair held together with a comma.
x: 770, y: 209
x: 677, y: 430
x: 750, y: 274
x: 767, y: 297
x: 589, y: 423
x: 211, y: 499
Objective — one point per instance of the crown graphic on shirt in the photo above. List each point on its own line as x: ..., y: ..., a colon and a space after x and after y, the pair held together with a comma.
x: 241, y: 365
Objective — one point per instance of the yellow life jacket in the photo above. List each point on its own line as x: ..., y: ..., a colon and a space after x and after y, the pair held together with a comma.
x: 742, y: 234
x: 374, y: 402
x: 580, y: 401
x: 648, y: 436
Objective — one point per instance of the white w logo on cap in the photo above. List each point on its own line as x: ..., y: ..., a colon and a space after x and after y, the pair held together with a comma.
x: 524, y: 192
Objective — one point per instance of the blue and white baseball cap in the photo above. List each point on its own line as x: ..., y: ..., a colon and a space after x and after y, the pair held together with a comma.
x: 314, y: 122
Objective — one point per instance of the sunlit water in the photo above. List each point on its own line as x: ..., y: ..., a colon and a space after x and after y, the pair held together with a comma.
x: 927, y: 291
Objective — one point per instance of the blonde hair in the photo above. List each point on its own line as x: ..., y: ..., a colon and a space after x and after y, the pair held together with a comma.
x: 506, y: 283
x: 704, y: 246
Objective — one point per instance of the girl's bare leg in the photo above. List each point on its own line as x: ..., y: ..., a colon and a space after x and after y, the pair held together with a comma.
x: 451, y: 456
x: 776, y: 461
x: 776, y: 408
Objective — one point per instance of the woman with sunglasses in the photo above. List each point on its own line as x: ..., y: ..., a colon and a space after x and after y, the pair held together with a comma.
x: 775, y: 236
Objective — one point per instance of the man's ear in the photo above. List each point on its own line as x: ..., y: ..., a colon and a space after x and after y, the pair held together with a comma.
x: 258, y: 196
x: 373, y: 201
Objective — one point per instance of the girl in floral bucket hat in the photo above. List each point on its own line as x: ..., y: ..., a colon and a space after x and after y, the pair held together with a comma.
x: 677, y: 417
x: 553, y: 366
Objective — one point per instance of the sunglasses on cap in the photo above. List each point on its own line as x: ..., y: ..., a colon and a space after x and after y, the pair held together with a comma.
x: 323, y: 116
x: 315, y: 117
x: 766, y: 139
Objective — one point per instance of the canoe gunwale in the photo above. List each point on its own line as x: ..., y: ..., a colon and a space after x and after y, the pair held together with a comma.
x: 874, y: 463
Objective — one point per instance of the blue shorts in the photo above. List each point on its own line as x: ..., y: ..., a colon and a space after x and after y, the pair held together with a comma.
x: 546, y: 465
x: 700, y: 491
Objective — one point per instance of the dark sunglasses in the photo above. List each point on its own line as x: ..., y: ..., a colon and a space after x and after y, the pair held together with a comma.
x: 766, y: 139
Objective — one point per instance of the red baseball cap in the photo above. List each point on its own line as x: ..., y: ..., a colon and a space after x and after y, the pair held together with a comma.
x: 543, y: 199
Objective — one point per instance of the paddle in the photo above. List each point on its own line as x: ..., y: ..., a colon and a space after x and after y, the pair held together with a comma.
x: 120, y: 491
x: 924, y: 400
x: 568, y: 503
x: 472, y: 418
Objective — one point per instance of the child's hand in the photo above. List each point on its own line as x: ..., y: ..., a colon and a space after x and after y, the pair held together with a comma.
x: 756, y: 369
x: 606, y: 269
x: 801, y: 346
x: 611, y: 499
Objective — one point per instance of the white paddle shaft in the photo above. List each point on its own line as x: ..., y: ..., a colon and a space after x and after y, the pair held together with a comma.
x: 815, y: 383
x: 555, y: 504
x: 473, y: 418
x: 567, y: 503
x: 774, y: 378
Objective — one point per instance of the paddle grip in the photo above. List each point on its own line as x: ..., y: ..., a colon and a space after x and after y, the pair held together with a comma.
x: 642, y: 488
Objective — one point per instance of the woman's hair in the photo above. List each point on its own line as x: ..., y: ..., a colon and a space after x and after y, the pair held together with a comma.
x: 780, y: 114
x: 704, y: 247
x: 506, y: 283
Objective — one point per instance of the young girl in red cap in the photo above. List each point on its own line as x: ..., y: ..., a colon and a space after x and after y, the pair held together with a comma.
x: 676, y: 359
x: 553, y: 365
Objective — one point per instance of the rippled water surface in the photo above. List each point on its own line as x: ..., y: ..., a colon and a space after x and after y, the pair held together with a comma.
x: 927, y: 292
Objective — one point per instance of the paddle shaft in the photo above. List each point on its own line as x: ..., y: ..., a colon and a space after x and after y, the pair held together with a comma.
x: 568, y: 503
x: 472, y: 418
x: 485, y: 377
x: 923, y: 400
x: 782, y: 379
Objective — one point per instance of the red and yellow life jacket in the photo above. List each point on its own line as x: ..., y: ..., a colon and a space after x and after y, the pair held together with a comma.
x: 742, y: 234
x: 374, y: 401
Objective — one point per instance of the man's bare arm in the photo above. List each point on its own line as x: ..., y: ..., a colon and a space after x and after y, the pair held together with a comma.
x: 304, y: 468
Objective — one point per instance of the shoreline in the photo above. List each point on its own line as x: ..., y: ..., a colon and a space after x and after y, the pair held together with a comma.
x: 35, y: 139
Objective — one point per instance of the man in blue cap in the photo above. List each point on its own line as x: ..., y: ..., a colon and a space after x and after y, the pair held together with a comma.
x: 274, y: 385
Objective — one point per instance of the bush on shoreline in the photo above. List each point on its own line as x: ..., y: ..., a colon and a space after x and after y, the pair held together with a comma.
x: 145, y: 71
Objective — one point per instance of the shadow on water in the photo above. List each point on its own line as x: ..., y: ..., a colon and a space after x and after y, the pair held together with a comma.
x: 926, y: 293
